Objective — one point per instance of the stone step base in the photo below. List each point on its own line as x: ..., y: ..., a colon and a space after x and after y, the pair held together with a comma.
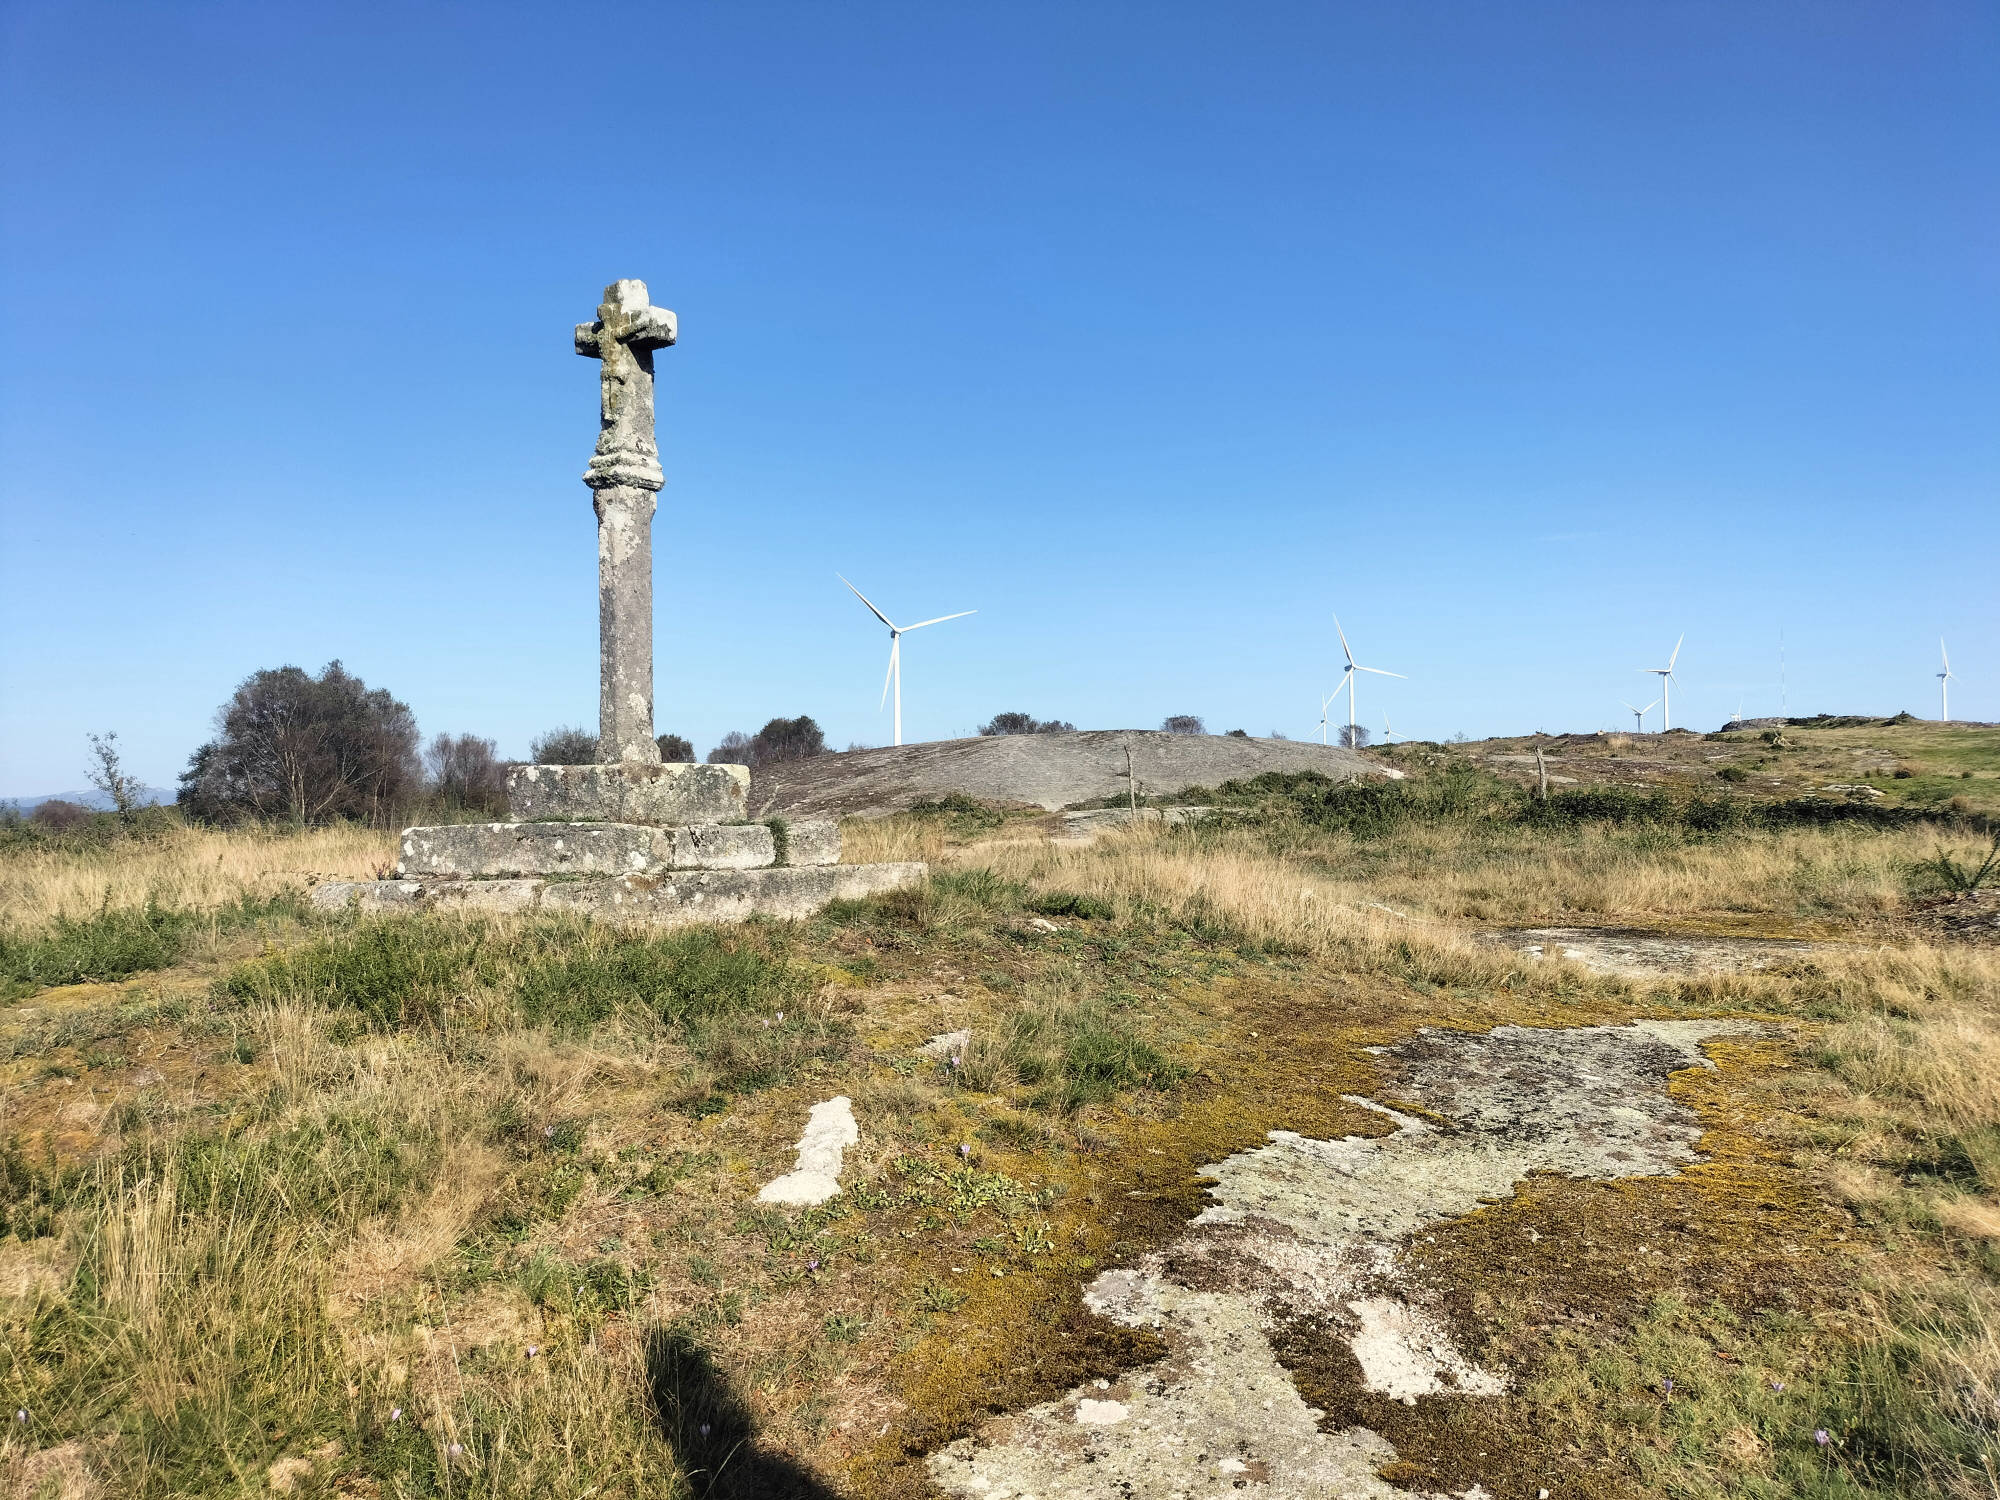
x: 484, y: 851
x: 668, y: 795
x: 657, y: 900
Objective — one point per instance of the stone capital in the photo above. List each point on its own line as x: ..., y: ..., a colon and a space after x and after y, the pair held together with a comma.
x: 624, y: 468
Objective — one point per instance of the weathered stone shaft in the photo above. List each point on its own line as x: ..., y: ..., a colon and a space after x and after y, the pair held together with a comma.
x: 625, y: 625
x: 625, y: 474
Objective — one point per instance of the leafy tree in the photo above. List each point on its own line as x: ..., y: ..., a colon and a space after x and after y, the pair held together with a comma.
x: 675, y: 749
x: 564, y: 747
x: 466, y: 773
x: 306, y: 749
x: 732, y: 750
x: 107, y: 773
x: 1012, y: 723
x: 1184, y: 724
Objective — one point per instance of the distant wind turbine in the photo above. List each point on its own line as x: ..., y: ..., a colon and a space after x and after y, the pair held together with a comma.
x: 1666, y: 676
x: 1944, y: 683
x: 1324, y: 704
x: 1388, y: 734
x: 1639, y: 715
x: 1348, y: 678
x: 896, y: 633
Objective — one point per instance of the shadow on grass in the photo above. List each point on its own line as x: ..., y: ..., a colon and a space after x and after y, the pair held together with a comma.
x: 710, y: 1429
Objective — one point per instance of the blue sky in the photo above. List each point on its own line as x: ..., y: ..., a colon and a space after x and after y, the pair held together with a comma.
x: 1526, y: 337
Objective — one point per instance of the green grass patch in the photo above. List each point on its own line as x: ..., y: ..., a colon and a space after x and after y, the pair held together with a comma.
x: 117, y: 942
x: 1066, y: 1050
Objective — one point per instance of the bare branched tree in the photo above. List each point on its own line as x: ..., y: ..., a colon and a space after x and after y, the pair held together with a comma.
x: 107, y: 773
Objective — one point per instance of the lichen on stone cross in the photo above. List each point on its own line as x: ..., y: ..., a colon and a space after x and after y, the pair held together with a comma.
x: 627, y: 331
x: 625, y: 474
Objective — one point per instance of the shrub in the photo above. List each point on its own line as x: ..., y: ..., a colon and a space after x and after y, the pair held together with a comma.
x: 1354, y: 736
x: 675, y: 749
x: 59, y: 816
x: 564, y: 746
x: 1019, y: 723
x: 307, y: 750
x: 779, y: 740
x: 1183, y: 724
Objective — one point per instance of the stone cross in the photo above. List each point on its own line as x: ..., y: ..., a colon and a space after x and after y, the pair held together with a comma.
x: 625, y: 474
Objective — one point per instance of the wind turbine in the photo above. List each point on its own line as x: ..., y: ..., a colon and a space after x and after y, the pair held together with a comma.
x: 1347, y: 679
x: 1666, y: 676
x: 1324, y: 704
x: 896, y: 632
x: 1388, y: 734
x: 1944, y: 683
x: 1639, y: 715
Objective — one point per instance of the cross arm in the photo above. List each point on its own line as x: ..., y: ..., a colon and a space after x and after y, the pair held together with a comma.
x: 648, y: 328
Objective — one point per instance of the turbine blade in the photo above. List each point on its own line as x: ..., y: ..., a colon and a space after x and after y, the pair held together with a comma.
x: 865, y: 600
x: 1946, y: 655
x: 1380, y: 673
x: 895, y: 645
x: 1677, y: 651
x: 941, y: 619
x: 1343, y: 642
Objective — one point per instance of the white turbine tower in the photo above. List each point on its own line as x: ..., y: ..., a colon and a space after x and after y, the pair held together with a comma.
x: 896, y: 633
x: 1944, y: 682
x: 1639, y: 715
x: 1324, y: 704
x: 1666, y: 676
x: 1347, y: 679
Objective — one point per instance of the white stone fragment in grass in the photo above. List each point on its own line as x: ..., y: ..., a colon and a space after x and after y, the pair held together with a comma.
x: 830, y: 1130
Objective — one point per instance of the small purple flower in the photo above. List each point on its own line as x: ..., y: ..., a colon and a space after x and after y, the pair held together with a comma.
x: 1822, y: 1436
x: 21, y: 1414
x: 533, y: 1350
x: 781, y: 1015
x: 964, y: 1150
x: 1777, y: 1385
x: 548, y: 1132
x: 954, y: 1060
x: 1667, y: 1386
x: 813, y: 1264
x: 454, y: 1450
x: 395, y: 1414
x: 704, y: 1429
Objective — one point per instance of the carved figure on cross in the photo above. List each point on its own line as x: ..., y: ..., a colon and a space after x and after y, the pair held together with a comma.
x: 627, y: 331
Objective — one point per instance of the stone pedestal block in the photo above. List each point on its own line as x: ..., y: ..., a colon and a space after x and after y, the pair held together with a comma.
x: 482, y: 851
x: 649, y: 900
x: 670, y: 795
x: 812, y: 841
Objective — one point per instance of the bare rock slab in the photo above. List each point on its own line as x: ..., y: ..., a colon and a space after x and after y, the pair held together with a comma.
x: 630, y: 792
x: 487, y: 850
x: 667, y: 900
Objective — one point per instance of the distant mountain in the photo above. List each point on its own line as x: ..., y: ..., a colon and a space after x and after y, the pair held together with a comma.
x: 151, y: 796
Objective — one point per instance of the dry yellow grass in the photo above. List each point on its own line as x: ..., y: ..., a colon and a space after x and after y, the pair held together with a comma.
x: 355, y: 1295
x: 197, y: 868
x: 1469, y: 873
